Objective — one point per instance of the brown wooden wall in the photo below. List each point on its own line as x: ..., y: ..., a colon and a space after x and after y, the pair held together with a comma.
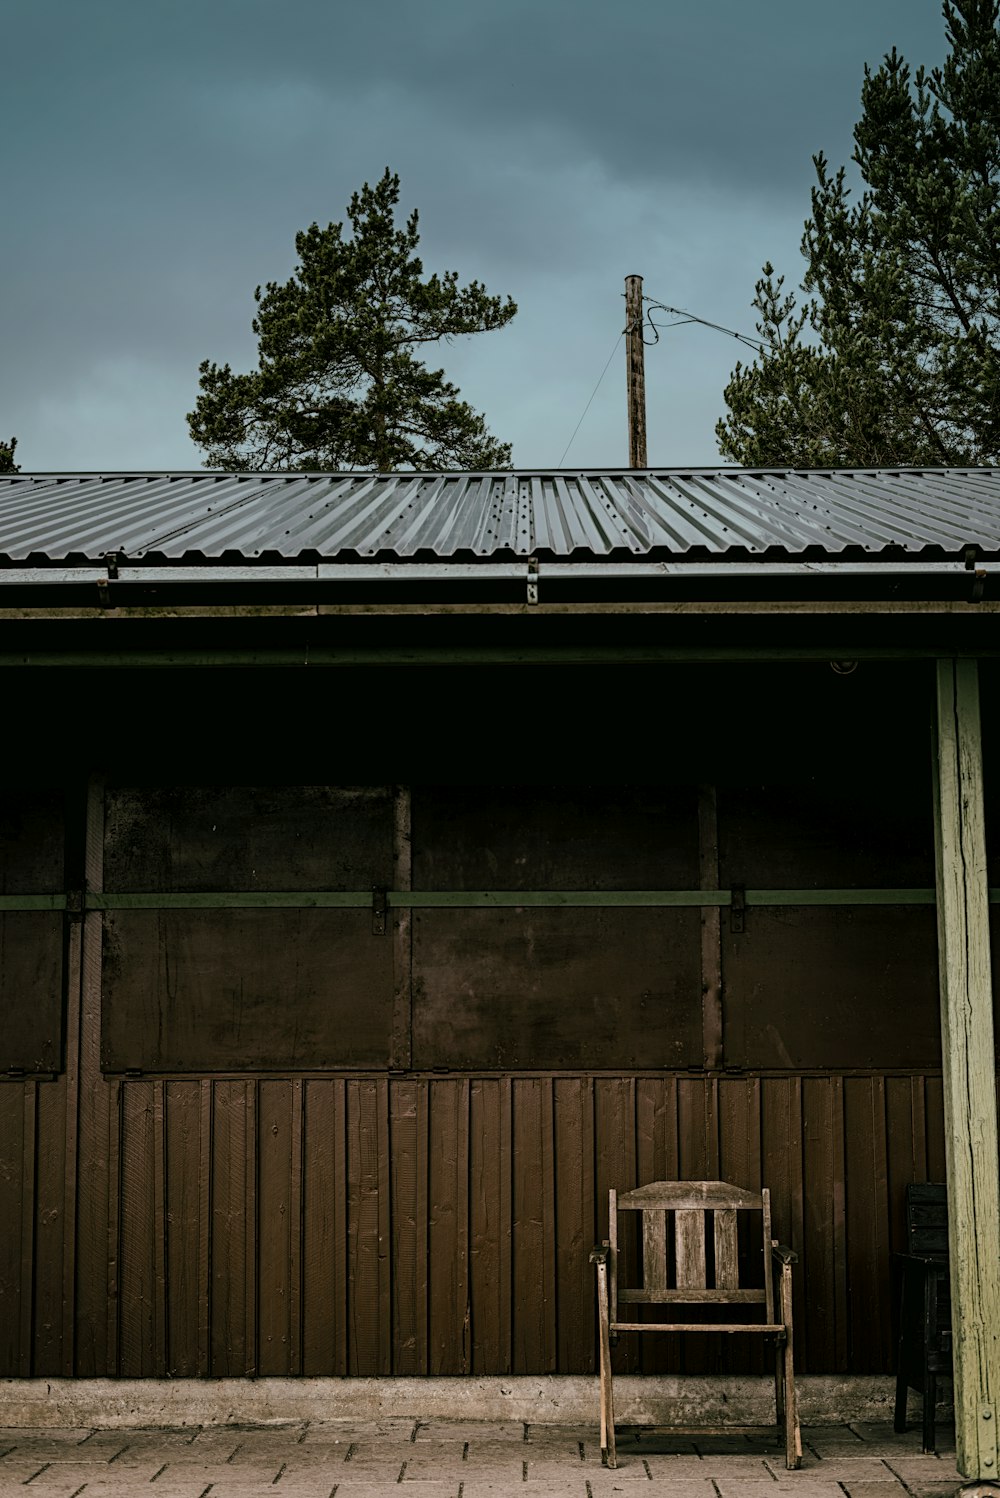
x: 420, y: 1225
x: 392, y: 1218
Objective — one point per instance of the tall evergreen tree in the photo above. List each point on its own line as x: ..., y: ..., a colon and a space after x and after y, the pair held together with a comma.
x: 7, y: 464
x: 894, y: 355
x: 339, y: 384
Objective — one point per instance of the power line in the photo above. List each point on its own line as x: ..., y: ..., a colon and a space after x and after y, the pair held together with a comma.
x: 687, y: 317
x: 587, y: 407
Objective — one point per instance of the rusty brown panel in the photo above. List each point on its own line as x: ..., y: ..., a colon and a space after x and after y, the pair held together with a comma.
x: 832, y: 987
x: 555, y: 837
x: 657, y: 1159
x: 449, y: 1309
x: 369, y: 1353
x: 789, y: 833
x: 32, y: 838
x: 558, y: 989
x: 230, y: 837
x: 615, y: 1157
x: 11, y: 1213
x: 233, y: 1258
x: 533, y: 1227
x: 324, y: 1230
x: 869, y: 1282
x: 934, y: 1117
x: 274, y: 1191
x: 31, y: 990
x: 50, y: 1230
x: 230, y: 990
x: 137, y: 1270
x: 183, y: 1189
x: 409, y: 1165
x: 823, y: 1251
x: 490, y: 1203
x: 576, y: 1225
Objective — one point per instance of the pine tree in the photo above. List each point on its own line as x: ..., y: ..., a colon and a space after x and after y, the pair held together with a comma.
x: 894, y: 356
x: 339, y: 384
x: 7, y: 464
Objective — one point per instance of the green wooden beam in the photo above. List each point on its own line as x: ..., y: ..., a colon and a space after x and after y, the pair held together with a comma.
x: 970, y: 1107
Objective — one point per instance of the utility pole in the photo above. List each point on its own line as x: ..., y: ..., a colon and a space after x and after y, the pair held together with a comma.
x: 634, y: 355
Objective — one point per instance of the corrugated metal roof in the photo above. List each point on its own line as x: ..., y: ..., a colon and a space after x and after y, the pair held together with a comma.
x: 164, y: 516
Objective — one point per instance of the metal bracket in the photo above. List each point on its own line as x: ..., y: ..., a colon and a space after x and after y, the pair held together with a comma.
x: 988, y: 1442
x: 979, y: 584
x: 74, y: 904
x: 532, y: 579
x: 379, y: 907
x: 738, y: 910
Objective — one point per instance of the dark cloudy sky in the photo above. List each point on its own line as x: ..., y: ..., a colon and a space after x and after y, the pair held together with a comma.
x: 158, y: 156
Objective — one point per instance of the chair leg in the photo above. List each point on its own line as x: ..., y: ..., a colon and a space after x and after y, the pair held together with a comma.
x: 793, y: 1435
x: 899, y: 1416
x: 608, y: 1455
x: 930, y: 1410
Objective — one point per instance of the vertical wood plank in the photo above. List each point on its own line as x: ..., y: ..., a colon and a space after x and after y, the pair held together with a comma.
x: 448, y: 1229
x: 206, y: 1175
x: 369, y: 1338
x: 689, y: 1250
x: 113, y: 1227
x: 576, y: 1229
x: 533, y: 1228
x: 657, y: 1159
x: 324, y: 1231
x: 615, y: 1154
x: 295, y: 1232
x: 136, y: 1266
x: 29, y: 1138
x: 232, y: 1350
x: 160, y: 1353
x: 50, y: 1229
x: 824, y: 1247
x: 654, y: 1251
x: 490, y: 1233
x: 781, y: 1170
x: 182, y: 1227
x: 867, y: 1218
x: 969, y: 1066
x: 274, y: 1227
x: 408, y: 1126
x: 11, y: 1210
x: 727, y: 1274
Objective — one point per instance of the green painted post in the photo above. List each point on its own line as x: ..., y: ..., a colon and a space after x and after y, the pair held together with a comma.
x: 969, y: 1072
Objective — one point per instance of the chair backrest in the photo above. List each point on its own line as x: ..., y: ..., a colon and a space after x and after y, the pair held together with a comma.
x: 927, y: 1219
x: 690, y: 1245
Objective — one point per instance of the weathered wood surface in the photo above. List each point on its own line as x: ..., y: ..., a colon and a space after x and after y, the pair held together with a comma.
x: 970, y: 1102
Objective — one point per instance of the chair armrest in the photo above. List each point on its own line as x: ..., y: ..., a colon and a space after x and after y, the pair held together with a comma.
x: 782, y: 1254
x: 599, y: 1253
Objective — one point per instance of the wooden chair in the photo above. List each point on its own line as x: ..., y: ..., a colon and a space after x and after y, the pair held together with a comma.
x: 695, y: 1260
x: 925, y: 1303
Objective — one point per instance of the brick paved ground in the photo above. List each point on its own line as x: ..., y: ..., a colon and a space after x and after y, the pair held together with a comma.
x: 453, y: 1459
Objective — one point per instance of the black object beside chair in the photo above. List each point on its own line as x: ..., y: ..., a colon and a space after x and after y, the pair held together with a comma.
x: 925, y: 1303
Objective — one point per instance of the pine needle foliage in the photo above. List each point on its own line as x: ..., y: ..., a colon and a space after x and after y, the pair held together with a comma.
x: 339, y: 384
x: 893, y: 358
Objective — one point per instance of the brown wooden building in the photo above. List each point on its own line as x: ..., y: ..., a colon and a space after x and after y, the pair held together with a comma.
x: 390, y: 866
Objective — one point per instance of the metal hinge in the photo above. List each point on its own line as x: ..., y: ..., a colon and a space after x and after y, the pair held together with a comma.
x: 379, y: 905
x: 74, y: 904
x: 738, y: 910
